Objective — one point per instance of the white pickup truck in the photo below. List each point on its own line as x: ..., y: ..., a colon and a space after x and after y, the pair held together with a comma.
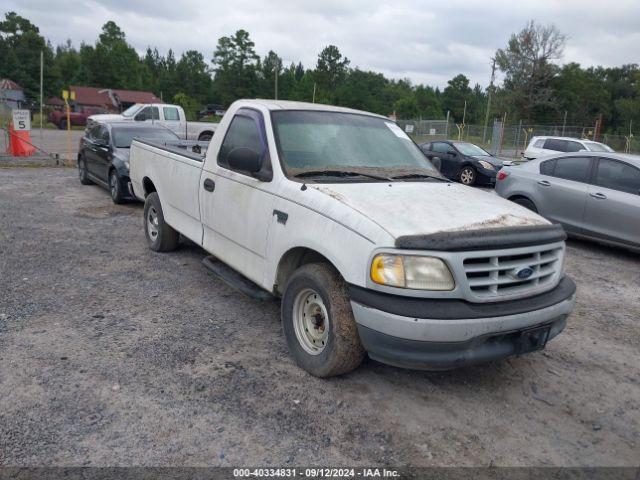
x: 339, y: 214
x: 169, y: 116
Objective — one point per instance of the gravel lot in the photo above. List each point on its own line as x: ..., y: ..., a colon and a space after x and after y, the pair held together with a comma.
x: 111, y: 354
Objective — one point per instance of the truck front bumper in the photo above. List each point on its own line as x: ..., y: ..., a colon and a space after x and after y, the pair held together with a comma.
x: 436, y: 334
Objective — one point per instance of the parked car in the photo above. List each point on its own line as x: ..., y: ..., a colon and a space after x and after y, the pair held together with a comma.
x: 337, y: 212
x: 541, y: 146
x: 103, y: 154
x: 210, y: 110
x: 169, y: 116
x: 593, y: 195
x: 463, y: 161
x: 59, y: 117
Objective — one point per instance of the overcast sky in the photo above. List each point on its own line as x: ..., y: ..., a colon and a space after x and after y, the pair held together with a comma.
x: 426, y: 41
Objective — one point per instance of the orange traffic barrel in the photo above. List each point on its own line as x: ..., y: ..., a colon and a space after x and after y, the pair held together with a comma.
x: 20, y: 143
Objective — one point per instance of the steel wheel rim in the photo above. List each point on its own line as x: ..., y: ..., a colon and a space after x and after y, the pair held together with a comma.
x: 152, y: 223
x: 311, y: 321
x: 467, y: 176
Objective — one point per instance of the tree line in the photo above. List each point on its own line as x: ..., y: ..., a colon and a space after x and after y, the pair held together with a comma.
x: 535, y: 89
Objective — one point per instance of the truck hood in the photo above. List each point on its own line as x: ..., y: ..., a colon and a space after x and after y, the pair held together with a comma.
x: 423, y: 208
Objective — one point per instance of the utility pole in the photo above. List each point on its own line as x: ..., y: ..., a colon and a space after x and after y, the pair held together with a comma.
x: 564, y: 123
x: 41, y: 91
x: 314, y: 93
x: 486, y: 117
x: 277, y: 68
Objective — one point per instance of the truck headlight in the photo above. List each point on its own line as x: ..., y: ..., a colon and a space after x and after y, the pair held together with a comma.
x: 411, y: 271
x: 486, y: 165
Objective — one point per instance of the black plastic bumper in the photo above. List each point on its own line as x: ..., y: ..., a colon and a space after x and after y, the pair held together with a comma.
x: 446, y: 356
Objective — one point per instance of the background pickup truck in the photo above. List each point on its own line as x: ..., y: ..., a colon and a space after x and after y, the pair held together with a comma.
x: 169, y: 116
x: 59, y: 117
x: 339, y: 214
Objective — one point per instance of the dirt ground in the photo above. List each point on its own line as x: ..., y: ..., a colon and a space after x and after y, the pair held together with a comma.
x: 111, y: 354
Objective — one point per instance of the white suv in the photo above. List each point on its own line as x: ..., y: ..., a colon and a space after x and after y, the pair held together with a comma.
x: 541, y: 146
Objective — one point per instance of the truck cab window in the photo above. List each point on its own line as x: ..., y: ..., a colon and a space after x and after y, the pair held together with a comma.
x: 243, y: 132
x: 148, y: 113
x: 171, y: 114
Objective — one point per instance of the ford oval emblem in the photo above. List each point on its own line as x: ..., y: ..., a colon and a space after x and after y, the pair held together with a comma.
x: 523, y: 273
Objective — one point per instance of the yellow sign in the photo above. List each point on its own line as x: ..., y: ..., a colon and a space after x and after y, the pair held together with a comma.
x: 73, y: 95
x: 65, y: 94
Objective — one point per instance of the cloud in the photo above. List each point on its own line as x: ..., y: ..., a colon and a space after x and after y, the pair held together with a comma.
x: 427, y: 42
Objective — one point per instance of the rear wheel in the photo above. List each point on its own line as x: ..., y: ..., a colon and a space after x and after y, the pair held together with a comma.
x: 467, y: 175
x: 205, y: 137
x: 526, y: 203
x: 62, y: 124
x: 318, y: 322
x: 82, y: 172
x: 161, y: 237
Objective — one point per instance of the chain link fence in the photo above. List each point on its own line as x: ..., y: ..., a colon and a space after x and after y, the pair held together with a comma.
x: 510, y: 140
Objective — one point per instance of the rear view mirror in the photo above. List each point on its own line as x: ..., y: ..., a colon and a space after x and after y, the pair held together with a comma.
x: 244, y: 159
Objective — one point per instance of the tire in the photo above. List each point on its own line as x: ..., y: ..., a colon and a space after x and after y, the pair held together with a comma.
x: 160, y: 236
x: 62, y: 124
x: 82, y: 172
x: 332, y: 346
x: 205, y: 137
x: 115, y: 188
x: 468, y: 175
x: 526, y: 203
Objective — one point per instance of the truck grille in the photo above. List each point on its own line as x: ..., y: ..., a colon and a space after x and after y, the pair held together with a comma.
x: 505, y: 274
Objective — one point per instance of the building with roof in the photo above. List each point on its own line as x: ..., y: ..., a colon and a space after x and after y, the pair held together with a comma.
x: 111, y: 99
x: 11, y: 94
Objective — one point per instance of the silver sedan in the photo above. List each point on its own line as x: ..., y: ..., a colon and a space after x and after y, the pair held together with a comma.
x: 594, y: 195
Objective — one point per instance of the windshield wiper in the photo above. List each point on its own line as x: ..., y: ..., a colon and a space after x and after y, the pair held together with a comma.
x: 338, y: 173
x: 417, y: 175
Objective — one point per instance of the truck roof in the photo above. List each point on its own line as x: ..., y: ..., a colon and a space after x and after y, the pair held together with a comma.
x: 291, y: 105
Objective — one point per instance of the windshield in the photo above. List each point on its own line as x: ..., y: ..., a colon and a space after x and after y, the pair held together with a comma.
x: 470, y: 149
x: 311, y: 141
x: 122, y: 137
x: 597, y: 147
x: 131, y: 111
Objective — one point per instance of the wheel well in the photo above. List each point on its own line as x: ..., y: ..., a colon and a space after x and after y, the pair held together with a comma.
x: 291, y: 261
x: 148, y: 186
x: 513, y: 198
x: 206, y: 132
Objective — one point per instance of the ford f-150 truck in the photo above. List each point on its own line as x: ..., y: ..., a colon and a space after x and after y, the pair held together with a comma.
x: 338, y: 213
x: 169, y: 116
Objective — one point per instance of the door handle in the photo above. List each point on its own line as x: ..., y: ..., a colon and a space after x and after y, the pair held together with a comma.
x: 209, y: 185
x: 598, y: 195
x: 544, y: 183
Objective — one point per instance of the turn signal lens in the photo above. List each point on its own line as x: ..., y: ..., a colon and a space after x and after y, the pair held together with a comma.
x: 388, y: 270
x: 411, y: 271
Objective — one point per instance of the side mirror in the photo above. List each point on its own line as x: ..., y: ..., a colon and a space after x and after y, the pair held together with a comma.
x: 453, y: 153
x: 141, y: 117
x: 436, y: 162
x: 245, y: 160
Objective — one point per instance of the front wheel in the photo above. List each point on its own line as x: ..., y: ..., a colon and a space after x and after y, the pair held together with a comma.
x: 115, y: 188
x: 82, y: 172
x: 318, y: 322
x: 467, y: 175
x: 160, y: 235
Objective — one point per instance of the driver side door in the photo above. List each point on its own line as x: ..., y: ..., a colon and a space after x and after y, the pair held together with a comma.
x: 237, y: 208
